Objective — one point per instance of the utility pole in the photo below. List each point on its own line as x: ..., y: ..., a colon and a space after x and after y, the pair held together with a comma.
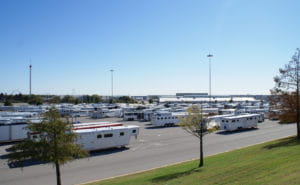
x: 209, y: 58
x: 112, y: 84
x: 30, y: 66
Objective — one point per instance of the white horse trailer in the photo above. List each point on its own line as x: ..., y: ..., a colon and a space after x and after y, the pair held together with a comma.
x: 13, y: 132
x: 93, y: 136
x: 215, y: 121
x: 167, y: 118
x: 14, y: 129
x: 239, y: 122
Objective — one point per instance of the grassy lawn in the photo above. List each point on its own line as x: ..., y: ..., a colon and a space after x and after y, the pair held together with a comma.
x: 276, y: 162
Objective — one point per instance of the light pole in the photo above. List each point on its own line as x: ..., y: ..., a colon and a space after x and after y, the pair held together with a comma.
x: 209, y: 58
x: 112, y: 84
x: 30, y: 66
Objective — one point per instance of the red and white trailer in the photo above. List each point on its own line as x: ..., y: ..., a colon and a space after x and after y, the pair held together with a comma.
x: 101, y: 135
x: 96, y: 136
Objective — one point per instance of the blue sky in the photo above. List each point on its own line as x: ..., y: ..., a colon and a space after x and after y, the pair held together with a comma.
x: 154, y: 46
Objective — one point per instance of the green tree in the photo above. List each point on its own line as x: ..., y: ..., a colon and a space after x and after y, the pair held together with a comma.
x: 287, y: 85
x: 36, y: 100
x: 96, y: 98
x: 126, y: 99
x: 55, y: 143
x: 195, y: 123
x: 68, y: 99
x: 150, y: 101
x: 7, y: 102
x: 55, y: 99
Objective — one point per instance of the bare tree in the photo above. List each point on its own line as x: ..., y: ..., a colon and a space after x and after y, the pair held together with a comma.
x: 287, y: 83
x: 195, y: 124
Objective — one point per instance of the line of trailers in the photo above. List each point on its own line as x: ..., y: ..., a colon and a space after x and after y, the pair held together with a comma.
x: 223, y: 122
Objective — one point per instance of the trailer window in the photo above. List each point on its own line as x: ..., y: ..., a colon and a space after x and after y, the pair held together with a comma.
x: 108, y: 135
x: 121, y: 133
x: 134, y: 131
x: 34, y: 137
x: 99, y: 136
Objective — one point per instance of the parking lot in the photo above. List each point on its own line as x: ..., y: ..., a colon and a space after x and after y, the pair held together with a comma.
x: 155, y: 147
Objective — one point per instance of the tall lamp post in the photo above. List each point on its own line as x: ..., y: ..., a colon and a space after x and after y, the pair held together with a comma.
x: 30, y: 66
x: 112, y: 84
x: 209, y: 58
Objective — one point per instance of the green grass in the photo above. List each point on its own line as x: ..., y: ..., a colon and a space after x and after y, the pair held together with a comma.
x: 276, y: 162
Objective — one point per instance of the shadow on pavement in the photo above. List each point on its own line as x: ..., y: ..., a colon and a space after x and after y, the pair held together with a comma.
x: 236, y: 131
x: 28, y: 163
x: 158, y: 127
x: 95, y: 153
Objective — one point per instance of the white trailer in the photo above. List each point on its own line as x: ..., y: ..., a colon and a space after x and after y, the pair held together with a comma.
x: 101, y: 135
x: 215, y: 121
x: 96, y: 136
x: 132, y: 116
x: 239, y: 122
x: 14, y: 129
x: 167, y: 118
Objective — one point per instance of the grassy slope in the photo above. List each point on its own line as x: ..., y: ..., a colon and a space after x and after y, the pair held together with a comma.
x: 276, y: 162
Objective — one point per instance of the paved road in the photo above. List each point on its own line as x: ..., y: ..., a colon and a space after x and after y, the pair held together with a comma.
x: 154, y: 147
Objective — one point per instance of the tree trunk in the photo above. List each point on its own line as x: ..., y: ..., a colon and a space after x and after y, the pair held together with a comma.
x: 298, y: 115
x: 297, y: 93
x: 201, y: 152
x: 201, y: 147
x: 58, y: 180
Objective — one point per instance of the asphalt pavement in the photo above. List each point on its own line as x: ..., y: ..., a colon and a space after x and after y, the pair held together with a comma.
x: 155, y: 147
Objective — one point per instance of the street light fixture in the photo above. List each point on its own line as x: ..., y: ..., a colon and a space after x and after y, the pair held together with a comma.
x: 30, y: 68
x: 209, y: 58
x: 112, y: 84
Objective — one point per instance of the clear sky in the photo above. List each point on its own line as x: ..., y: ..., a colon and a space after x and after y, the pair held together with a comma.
x: 154, y: 46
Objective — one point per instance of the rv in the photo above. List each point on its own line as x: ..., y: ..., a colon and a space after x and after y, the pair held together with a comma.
x: 239, y: 122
